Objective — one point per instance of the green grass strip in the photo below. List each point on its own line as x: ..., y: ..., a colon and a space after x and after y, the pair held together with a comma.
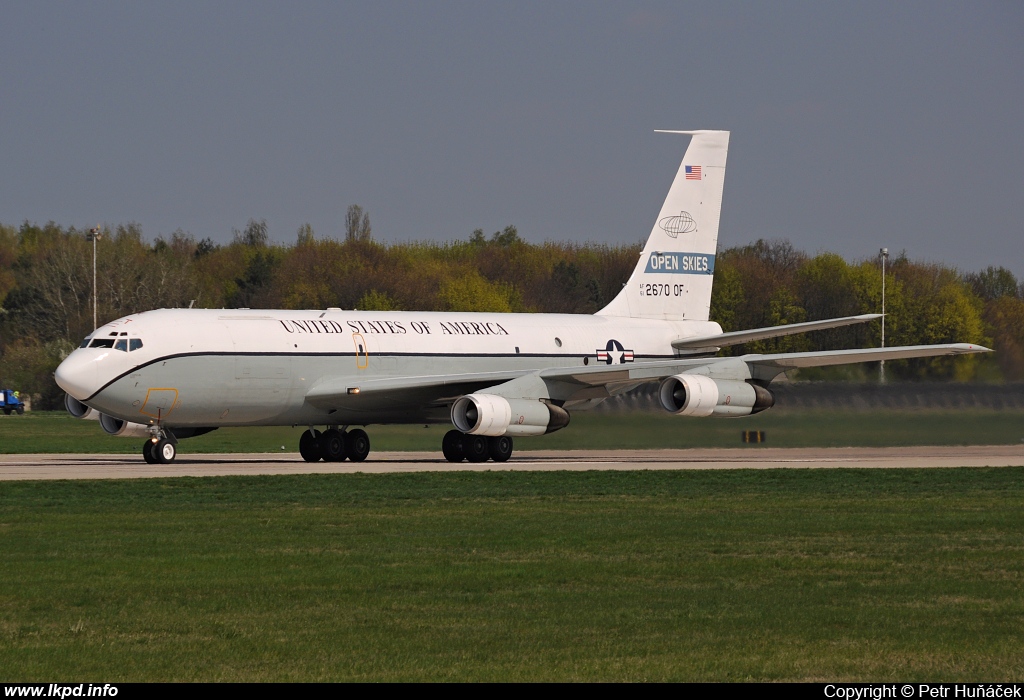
x: 703, y: 575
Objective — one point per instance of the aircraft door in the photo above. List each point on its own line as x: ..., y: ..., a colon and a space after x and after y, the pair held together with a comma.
x: 362, y: 351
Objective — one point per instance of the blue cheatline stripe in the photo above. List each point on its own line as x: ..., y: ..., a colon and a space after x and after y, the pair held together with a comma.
x: 681, y: 263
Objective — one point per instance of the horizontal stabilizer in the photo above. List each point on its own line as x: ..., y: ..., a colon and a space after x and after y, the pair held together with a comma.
x: 713, y: 342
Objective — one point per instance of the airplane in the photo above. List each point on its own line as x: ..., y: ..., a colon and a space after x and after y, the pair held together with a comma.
x: 170, y: 374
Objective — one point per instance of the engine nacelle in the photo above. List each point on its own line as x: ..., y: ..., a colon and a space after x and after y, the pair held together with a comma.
x: 122, y: 428
x: 487, y: 414
x: 697, y: 395
x: 78, y: 409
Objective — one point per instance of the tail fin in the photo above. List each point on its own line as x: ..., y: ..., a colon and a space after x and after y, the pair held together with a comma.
x: 672, y: 280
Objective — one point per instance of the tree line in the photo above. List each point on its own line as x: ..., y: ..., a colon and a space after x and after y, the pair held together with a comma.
x: 46, y: 290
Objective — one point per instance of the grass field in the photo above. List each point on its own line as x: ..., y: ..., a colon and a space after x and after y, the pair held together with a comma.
x: 58, y: 432
x: 731, y: 575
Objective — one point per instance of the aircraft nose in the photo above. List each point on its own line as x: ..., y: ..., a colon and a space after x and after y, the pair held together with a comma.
x: 77, y: 375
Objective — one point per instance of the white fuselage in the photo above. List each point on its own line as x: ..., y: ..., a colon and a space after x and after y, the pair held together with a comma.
x: 199, y: 367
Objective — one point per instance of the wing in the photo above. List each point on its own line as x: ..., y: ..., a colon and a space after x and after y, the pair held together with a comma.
x: 591, y: 382
x: 791, y: 360
x: 586, y: 383
x: 426, y: 389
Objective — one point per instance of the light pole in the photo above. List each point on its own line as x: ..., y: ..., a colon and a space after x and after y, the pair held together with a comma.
x: 884, y: 254
x: 94, y: 235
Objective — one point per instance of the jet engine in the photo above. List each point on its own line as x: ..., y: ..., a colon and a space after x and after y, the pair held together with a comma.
x: 78, y: 409
x: 697, y: 395
x: 122, y: 428
x: 487, y: 414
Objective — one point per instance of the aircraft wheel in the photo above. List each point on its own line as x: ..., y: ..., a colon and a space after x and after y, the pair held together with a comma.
x: 147, y: 452
x: 165, y: 451
x: 500, y: 448
x: 309, y: 446
x: 451, y: 446
x: 476, y: 448
x: 358, y: 445
x: 332, y: 445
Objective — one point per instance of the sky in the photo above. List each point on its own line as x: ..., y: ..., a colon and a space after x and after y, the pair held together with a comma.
x: 854, y: 125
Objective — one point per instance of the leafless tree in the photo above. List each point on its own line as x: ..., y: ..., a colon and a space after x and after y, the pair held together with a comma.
x: 305, y: 235
x: 357, y: 224
x: 255, y: 234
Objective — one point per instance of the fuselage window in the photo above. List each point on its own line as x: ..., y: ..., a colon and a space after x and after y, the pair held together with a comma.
x: 102, y: 343
x: 135, y: 343
x: 121, y: 345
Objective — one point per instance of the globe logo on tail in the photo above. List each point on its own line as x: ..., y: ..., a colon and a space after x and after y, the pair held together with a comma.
x: 674, y: 225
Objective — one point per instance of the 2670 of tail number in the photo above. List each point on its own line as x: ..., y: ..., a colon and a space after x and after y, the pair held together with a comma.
x: 656, y: 289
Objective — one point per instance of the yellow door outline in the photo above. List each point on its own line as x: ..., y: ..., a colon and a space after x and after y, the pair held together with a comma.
x: 362, y: 352
x: 159, y: 397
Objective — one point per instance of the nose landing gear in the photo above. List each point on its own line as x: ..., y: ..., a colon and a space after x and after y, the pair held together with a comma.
x: 334, y: 445
x: 159, y: 450
x: 457, y: 446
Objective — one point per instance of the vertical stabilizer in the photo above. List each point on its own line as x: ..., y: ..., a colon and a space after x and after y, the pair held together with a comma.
x: 672, y: 279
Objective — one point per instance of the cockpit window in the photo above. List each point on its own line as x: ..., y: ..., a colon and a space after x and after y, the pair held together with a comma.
x: 85, y: 341
x: 117, y: 343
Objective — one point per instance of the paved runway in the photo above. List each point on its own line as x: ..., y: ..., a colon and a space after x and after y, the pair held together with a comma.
x: 97, y: 466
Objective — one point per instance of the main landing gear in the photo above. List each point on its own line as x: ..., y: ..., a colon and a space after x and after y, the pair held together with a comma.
x: 333, y: 445
x: 458, y: 446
